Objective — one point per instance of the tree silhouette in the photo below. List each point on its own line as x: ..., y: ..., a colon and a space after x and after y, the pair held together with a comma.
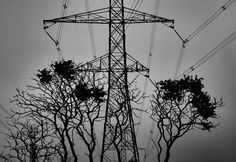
x: 31, y: 141
x: 179, y: 106
x: 69, y: 100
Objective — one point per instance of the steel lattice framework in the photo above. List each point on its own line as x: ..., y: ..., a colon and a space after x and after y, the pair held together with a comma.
x: 119, y: 132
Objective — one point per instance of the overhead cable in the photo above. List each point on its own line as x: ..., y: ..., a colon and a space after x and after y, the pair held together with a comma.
x: 210, y: 54
x: 5, y: 110
x: 60, y: 29
x: 92, y: 40
x: 135, y: 6
x: 197, y: 31
x: 150, y: 51
x: 138, y: 4
x: 4, y: 125
x: 210, y: 19
x: 180, y: 59
x: 149, y: 149
x: 8, y: 73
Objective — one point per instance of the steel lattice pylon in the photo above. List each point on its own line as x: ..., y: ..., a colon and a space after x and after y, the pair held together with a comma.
x: 119, y: 133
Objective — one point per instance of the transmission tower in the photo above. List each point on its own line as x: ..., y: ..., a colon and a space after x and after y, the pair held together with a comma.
x: 118, y: 133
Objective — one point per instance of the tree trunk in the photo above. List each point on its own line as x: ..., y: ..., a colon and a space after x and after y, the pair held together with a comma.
x: 90, y: 157
x: 167, y: 157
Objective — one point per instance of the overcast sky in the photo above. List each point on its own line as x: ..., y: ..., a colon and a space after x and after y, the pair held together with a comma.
x: 24, y: 48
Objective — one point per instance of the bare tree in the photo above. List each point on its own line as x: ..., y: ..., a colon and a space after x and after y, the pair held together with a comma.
x: 179, y: 106
x: 91, y: 98
x: 69, y: 100
x: 31, y: 141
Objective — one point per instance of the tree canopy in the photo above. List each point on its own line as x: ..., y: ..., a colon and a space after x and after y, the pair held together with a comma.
x: 69, y: 100
x: 179, y: 106
x: 65, y: 103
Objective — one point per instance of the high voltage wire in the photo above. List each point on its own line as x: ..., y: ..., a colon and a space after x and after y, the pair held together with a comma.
x: 92, y: 40
x: 8, y: 113
x: 210, y: 19
x: 1, y: 106
x: 9, y: 73
x: 197, y: 31
x: 4, y: 125
x: 214, y: 51
x: 77, y: 33
x: 60, y: 29
x: 138, y: 4
x: 91, y: 33
x: 5, y: 110
x: 180, y: 59
x: 150, y: 50
x: 135, y: 6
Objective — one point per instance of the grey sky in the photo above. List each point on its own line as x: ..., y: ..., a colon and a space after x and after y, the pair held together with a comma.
x: 24, y: 48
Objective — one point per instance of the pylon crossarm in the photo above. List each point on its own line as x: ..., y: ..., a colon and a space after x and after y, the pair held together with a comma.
x: 99, y: 16
x: 135, y: 66
x: 100, y: 64
x: 135, y: 17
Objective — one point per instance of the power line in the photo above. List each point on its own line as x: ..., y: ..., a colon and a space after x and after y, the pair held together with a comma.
x: 210, y: 19
x: 77, y: 32
x: 138, y: 4
x: 60, y: 29
x: 197, y: 31
x: 210, y: 54
x: 4, y: 125
x: 150, y: 51
x: 11, y: 77
x: 92, y: 40
x: 134, y: 6
x: 8, y: 113
x: 180, y: 59
x: 152, y: 39
x: 5, y: 110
